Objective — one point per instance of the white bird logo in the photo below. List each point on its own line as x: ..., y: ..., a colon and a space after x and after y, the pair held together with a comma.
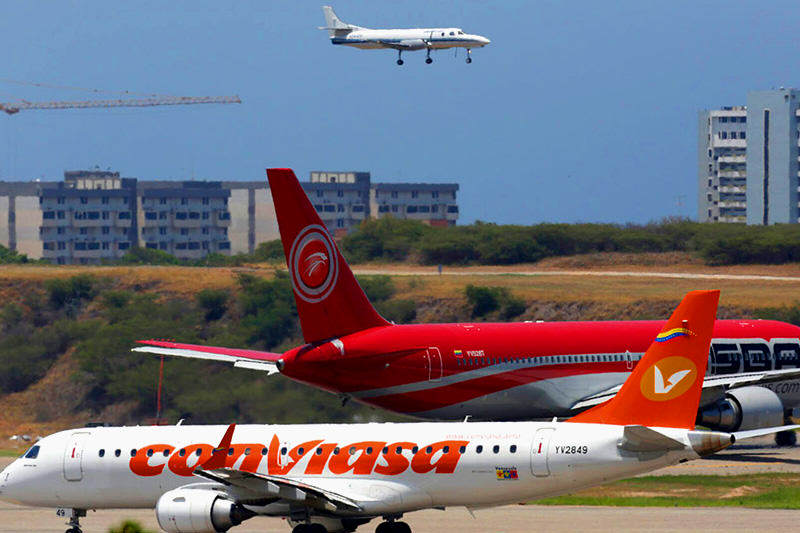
x: 315, y: 261
x: 663, y: 387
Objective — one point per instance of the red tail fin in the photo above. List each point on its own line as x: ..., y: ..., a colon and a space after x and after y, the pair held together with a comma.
x: 329, y: 300
x: 664, y: 389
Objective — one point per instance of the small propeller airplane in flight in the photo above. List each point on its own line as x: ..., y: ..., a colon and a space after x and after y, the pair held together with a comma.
x: 491, y: 371
x: 401, y: 40
x: 335, y: 478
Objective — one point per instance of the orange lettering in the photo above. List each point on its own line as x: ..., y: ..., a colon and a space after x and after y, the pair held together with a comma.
x: 363, y: 462
x: 273, y: 465
x: 140, y: 464
x: 445, y: 464
x: 250, y: 462
x: 317, y: 462
x: 179, y: 464
x: 396, y: 463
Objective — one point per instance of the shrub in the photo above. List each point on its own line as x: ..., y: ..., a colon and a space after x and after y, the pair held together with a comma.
x: 269, y: 251
x: 128, y: 526
x: 377, y: 288
x: 214, y: 302
x: 398, y: 311
x: 70, y: 291
x: 483, y: 300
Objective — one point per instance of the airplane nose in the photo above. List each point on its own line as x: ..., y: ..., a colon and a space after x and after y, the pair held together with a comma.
x: 484, y: 40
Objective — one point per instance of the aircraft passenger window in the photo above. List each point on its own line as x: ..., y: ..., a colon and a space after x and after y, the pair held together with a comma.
x: 478, y: 449
x: 398, y: 450
x: 33, y: 453
x: 452, y: 33
x: 513, y: 448
x: 182, y: 452
x: 166, y: 453
x: 446, y: 449
x: 197, y: 452
x: 385, y: 450
x: 263, y: 451
x: 462, y: 449
x: 300, y: 451
x: 150, y: 452
x: 496, y: 448
x: 352, y: 450
x: 101, y: 453
x: 247, y: 451
x: 369, y: 450
x: 319, y: 451
x: 230, y: 451
x: 133, y: 453
x: 283, y: 450
x: 117, y: 453
x: 414, y: 450
x: 428, y: 449
x: 336, y: 451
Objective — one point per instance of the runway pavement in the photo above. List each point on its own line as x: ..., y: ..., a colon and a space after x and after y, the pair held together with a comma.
x: 758, y: 456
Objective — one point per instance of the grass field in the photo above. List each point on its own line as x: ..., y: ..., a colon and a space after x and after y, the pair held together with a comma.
x: 765, y: 491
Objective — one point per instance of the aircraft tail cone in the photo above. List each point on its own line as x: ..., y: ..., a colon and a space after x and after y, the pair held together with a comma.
x: 708, y: 442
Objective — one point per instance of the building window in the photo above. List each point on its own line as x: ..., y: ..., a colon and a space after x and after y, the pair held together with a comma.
x: 340, y: 193
x: 205, y: 200
x: 224, y: 216
x: 205, y: 245
x: 411, y: 209
x: 180, y: 215
x: 340, y: 208
x: 452, y: 209
x: 162, y: 230
x: 105, y: 199
x: 84, y: 200
x: 205, y: 215
x: 358, y: 208
x: 184, y: 201
x: 151, y: 215
x: 424, y: 209
x: 395, y: 209
x: 180, y: 246
x: 61, y: 215
x: 224, y: 245
x: 205, y: 231
x: 60, y: 230
x: 319, y: 194
x: 194, y: 245
x: 194, y: 215
x: 163, y: 201
x: 62, y: 246
x: 162, y: 246
x: 435, y: 194
x: 60, y: 200
x: 383, y: 208
x: 743, y: 135
x: 84, y: 231
x: 105, y: 215
x: 49, y: 214
x: 162, y: 215
x: 435, y: 208
x: 94, y: 246
x: 106, y: 230
x: 339, y: 223
x: 124, y: 215
x: 80, y: 245
x: 414, y: 194
x: 184, y: 231
x: 330, y: 208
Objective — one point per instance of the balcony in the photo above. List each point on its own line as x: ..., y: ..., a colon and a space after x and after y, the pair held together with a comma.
x: 735, y: 189
x: 739, y: 219
x: 732, y: 174
x: 732, y: 159
x: 730, y: 205
x: 728, y: 143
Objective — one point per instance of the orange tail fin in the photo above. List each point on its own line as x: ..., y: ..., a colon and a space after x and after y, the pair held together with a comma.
x: 329, y: 300
x: 664, y: 388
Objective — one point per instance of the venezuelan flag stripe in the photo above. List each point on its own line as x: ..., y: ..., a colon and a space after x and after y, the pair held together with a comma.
x: 672, y: 333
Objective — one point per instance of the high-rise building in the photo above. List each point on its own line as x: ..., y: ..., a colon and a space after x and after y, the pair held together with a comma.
x: 748, y: 160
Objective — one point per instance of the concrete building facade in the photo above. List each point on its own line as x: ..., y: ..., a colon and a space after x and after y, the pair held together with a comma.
x: 748, y: 160
x: 94, y: 216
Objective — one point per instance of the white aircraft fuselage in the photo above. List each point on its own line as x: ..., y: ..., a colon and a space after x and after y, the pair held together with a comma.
x: 411, y: 39
x: 384, y: 468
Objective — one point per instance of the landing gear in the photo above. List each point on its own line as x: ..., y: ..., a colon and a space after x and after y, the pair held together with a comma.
x: 399, y: 57
x: 74, y: 521
x: 469, y: 57
x: 393, y: 527
x: 786, y: 438
x: 428, y: 59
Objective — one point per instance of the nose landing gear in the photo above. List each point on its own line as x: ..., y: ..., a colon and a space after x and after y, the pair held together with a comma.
x: 399, y: 57
x: 469, y: 58
x: 391, y: 526
x: 74, y: 522
x: 428, y: 59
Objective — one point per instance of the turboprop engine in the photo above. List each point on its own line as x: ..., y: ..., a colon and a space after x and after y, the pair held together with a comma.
x: 743, y: 409
x: 200, y: 510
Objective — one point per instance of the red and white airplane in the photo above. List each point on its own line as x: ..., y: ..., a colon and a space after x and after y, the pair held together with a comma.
x: 331, y: 478
x: 491, y: 371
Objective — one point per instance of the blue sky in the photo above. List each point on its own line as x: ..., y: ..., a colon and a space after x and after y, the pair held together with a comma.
x: 577, y: 111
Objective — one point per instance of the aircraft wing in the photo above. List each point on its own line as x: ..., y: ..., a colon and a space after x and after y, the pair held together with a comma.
x: 250, y: 359
x: 282, y: 488
x: 725, y: 381
x: 410, y: 44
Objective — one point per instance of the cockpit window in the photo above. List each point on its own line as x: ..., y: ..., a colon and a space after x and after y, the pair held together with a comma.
x: 460, y: 32
x: 32, y: 453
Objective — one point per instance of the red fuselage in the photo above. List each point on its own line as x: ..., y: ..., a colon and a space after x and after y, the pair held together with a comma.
x: 513, y: 371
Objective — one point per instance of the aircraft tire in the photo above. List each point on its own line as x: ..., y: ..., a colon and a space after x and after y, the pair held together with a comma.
x: 469, y: 60
x: 428, y: 60
x: 399, y: 61
x: 786, y: 438
x: 401, y: 527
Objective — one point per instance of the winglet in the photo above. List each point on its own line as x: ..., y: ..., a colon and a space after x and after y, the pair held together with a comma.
x: 664, y: 388
x: 217, y: 459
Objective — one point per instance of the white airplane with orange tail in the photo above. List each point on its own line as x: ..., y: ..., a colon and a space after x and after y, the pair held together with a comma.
x: 331, y: 478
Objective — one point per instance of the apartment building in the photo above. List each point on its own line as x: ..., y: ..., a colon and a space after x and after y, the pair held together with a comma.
x: 748, y: 160
x: 431, y: 203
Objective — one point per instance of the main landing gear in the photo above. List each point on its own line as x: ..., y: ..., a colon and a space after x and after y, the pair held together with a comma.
x: 786, y: 438
x: 428, y: 59
x: 74, y: 521
x: 469, y: 56
x: 393, y: 527
x: 399, y: 57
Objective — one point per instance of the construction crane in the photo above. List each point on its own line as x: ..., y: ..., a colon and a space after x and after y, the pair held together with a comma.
x: 22, y: 105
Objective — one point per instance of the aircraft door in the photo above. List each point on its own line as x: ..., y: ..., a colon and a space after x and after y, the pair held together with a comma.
x: 628, y: 360
x: 433, y: 360
x: 73, y: 456
x: 540, y: 452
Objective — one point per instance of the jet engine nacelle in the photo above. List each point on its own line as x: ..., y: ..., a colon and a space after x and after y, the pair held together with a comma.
x: 198, y: 511
x: 743, y: 409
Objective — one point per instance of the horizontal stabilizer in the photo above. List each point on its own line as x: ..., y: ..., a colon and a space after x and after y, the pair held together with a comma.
x: 749, y: 434
x: 644, y: 439
x: 250, y: 359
